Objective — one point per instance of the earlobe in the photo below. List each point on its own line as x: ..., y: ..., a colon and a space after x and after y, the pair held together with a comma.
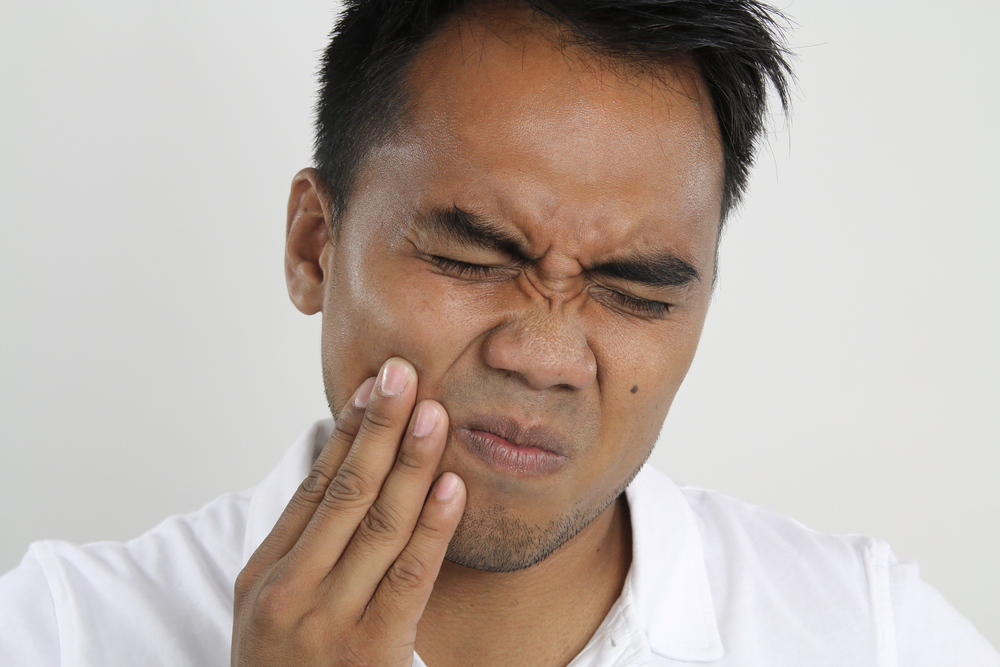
x: 306, y: 238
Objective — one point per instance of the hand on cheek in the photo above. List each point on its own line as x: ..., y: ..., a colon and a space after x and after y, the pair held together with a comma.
x: 348, y: 568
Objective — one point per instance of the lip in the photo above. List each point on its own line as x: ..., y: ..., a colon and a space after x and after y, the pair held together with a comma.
x: 501, y: 442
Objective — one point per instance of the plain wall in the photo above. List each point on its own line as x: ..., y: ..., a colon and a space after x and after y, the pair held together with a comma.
x: 150, y: 359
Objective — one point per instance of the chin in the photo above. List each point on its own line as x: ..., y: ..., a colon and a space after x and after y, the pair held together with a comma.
x: 495, y: 539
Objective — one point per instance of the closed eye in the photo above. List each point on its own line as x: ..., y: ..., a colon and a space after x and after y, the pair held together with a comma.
x: 646, y: 308
x: 461, y: 269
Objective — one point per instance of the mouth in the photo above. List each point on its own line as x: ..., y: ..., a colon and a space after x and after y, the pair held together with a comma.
x: 504, y: 443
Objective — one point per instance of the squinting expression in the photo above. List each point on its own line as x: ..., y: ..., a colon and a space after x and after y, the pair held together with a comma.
x: 538, y: 239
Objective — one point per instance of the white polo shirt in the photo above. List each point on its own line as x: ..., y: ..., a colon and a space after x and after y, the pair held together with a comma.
x: 713, y: 580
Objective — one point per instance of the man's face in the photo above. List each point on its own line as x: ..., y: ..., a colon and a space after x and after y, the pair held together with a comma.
x: 517, y: 241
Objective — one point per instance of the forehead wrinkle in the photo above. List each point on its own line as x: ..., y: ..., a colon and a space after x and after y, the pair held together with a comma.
x: 557, y: 234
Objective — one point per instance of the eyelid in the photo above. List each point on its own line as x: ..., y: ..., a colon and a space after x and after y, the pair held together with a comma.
x: 644, y: 308
x: 462, y: 269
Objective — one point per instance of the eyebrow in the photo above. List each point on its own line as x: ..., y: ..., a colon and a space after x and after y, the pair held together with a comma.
x: 472, y: 230
x: 659, y: 269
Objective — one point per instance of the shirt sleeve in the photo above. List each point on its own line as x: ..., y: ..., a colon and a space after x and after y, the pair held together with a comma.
x: 29, y: 633
x: 929, y: 631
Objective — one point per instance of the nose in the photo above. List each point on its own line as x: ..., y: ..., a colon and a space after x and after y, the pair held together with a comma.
x: 543, y: 352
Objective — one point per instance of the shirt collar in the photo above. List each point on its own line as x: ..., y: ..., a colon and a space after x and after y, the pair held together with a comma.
x: 666, y: 597
x: 668, y: 581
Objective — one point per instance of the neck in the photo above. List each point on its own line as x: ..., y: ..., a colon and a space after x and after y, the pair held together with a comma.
x: 542, y: 615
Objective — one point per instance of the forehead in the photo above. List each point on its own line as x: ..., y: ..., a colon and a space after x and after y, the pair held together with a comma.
x: 507, y: 111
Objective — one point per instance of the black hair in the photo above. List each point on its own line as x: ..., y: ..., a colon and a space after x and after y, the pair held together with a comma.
x: 737, y: 46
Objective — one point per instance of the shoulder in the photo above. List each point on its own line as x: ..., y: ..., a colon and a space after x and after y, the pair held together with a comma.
x: 927, y: 625
x: 775, y: 588
x: 133, y: 598
x: 776, y: 584
x: 28, y: 616
x: 742, y: 541
x: 808, y: 588
x: 745, y: 538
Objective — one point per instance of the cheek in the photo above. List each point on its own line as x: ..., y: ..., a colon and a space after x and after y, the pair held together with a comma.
x: 645, y: 368
x: 395, y: 306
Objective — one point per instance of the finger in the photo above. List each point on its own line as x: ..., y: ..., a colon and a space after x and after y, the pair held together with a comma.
x: 358, y: 480
x: 389, y: 523
x: 307, y: 497
x: 402, y: 595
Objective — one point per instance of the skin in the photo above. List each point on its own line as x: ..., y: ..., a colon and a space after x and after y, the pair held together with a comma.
x: 580, y: 163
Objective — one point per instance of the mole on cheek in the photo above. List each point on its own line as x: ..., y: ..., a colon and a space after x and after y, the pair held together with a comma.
x: 635, y: 388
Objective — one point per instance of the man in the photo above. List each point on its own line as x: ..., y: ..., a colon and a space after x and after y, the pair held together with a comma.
x: 511, y: 234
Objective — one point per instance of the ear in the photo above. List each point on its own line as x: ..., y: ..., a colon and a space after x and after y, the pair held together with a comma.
x: 306, y: 242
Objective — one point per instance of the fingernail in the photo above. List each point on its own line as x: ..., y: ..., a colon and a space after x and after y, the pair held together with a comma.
x: 395, y: 377
x: 364, y: 393
x: 427, y: 419
x: 447, y: 486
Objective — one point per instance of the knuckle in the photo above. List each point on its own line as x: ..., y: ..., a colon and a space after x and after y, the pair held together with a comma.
x: 311, y: 632
x: 314, y: 486
x: 245, y: 581
x: 408, y: 461
x: 344, y: 430
x: 382, y: 523
x: 408, y: 573
x: 274, y: 607
x: 348, y: 488
x: 435, y: 530
x: 377, y: 421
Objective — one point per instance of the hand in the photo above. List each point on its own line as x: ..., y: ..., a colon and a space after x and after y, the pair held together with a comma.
x: 344, y: 576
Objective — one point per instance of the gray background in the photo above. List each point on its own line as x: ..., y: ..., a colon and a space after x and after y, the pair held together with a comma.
x: 150, y: 360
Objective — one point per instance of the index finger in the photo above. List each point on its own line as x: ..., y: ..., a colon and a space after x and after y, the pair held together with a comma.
x: 307, y: 497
